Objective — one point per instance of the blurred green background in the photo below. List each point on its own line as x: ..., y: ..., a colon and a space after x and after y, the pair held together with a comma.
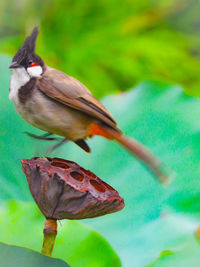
x: 111, y: 46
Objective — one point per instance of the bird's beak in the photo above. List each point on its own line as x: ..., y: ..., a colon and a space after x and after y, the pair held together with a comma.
x: 14, y: 65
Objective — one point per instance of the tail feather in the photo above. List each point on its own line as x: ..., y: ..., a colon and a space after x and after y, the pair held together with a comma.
x: 138, y: 150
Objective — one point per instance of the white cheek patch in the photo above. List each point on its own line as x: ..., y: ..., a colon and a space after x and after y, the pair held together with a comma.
x: 35, y: 71
x: 19, y: 78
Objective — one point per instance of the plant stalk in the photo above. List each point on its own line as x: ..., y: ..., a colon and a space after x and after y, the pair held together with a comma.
x: 50, y: 232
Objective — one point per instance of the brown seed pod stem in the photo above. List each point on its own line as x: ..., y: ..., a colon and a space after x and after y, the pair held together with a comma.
x: 50, y: 232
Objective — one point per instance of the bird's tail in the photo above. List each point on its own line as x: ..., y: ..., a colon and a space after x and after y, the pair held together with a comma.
x: 161, y: 172
x: 158, y: 168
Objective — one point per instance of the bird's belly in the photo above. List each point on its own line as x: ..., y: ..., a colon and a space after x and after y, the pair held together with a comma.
x: 54, y: 117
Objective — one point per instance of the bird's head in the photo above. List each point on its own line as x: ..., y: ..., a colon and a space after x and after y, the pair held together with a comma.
x: 25, y: 58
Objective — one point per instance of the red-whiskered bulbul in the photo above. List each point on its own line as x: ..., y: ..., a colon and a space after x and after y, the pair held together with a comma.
x: 59, y: 104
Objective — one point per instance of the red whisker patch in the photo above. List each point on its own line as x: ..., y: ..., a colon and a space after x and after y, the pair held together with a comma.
x: 33, y: 65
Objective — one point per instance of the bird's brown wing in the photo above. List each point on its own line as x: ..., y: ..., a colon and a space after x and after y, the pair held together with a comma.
x: 69, y: 91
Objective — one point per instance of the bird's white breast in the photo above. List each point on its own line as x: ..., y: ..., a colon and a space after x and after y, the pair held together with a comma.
x: 18, y: 79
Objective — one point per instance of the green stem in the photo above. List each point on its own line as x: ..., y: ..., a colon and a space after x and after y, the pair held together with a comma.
x: 50, y: 232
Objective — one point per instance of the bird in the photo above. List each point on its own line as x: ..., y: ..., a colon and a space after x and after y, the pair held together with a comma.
x: 59, y: 104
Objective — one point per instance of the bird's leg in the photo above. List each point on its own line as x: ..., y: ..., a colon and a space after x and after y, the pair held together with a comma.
x: 64, y: 140
x: 43, y: 136
x: 47, y: 138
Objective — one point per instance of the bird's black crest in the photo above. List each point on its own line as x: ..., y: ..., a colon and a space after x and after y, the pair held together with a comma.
x: 28, y: 47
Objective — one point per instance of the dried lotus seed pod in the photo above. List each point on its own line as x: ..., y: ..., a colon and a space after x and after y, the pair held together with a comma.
x: 64, y: 190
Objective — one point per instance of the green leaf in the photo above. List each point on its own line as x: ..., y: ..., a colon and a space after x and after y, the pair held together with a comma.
x: 16, y: 256
x: 189, y: 255
x: 169, y: 232
x: 155, y: 115
x: 22, y: 224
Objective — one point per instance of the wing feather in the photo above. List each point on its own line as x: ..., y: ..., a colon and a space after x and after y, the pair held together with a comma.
x: 69, y: 91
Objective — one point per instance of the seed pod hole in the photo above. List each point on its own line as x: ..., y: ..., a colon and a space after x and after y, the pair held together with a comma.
x: 60, y: 165
x: 63, y: 160
x: 108, y: 186
x: 49, y: 159
x: 88, y: 173
x: 99, y: 187
x: 77, y: 176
